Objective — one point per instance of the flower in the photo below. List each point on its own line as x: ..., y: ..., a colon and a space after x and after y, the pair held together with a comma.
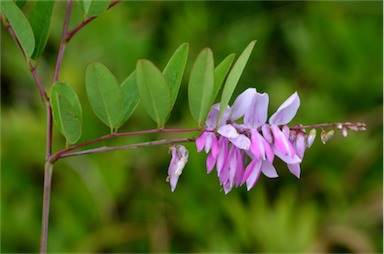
x: 254, y: 141
x: 178, y: 161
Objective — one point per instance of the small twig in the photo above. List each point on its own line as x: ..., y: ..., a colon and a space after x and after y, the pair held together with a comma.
x: 63, y: 42
x: 360, y: 126
x: 132, y: 146
x: 60, y: 153
x: 71, y: 33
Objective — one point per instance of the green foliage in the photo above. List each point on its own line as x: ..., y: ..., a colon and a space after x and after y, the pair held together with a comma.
x: 200, y: 88
x: 221, y: 72
x: 131, y: 98
x: 20, y: 3
x: 320, y: 49
x: 40, y: 20
x: 104, y: 94
x: 234, y: 76
x: 94, y: 7
x: 20, y: 25
x: 154, y: 91
x: 174, y: 70
x: 67, y: 113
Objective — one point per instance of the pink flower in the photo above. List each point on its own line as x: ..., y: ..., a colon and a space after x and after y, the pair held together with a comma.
x: 254, y: 139
x: 178, y: 161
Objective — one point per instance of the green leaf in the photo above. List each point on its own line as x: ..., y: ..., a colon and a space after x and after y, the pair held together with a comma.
x: 20, y: 3
x: 154, y: 91
x: 20, y: 26
x: 94, y: 7
x: 234, y: 76
x: 174, y: 70
x: 40, y: 20
x: 67, y: 113
x: 131, y: 98
x: 221, y: 72
x: 104, y: 94
x: 200, y: 88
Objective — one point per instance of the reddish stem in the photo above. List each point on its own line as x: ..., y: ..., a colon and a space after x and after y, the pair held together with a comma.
x: 138, y: 145
x: 62, y: 42
x: 71, y: 33
x: 60, y: 153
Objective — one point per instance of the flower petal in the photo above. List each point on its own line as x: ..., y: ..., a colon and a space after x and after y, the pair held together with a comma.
x: 240, y: 168
x: 177, y: 164
x: 228, y: 131
x: 210, y: 163
x: 257, y: 113
x: 242, y: 103
x: 241, y: 141
x: 295, y: 169
x: 212, y: 117
x: 222, y: 155
x: 300, y: 145
x: 254, y: 174
x: 287, y: 111
x: 281, y: 142
x: 200, y: 141
x: 286, y: 158
x: 267, y: 133
x: 269, y: 170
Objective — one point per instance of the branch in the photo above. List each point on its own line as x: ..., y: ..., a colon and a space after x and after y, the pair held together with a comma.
x: 352, y: 126
x: 138, y: 145
x: 62, y: 42
x: 60, y: 153
x: 82, y: 24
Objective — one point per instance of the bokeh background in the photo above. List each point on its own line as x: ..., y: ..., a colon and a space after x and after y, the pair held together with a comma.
x: 330, y: 52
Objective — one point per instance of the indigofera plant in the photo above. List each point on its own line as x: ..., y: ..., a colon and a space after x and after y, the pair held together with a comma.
x: 240, y: 150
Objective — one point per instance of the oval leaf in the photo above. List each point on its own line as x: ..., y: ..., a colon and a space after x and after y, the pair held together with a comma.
x: 20, y: 26
x: 131, y: 98
x: 67, y: 113
x: 40, y: 20
x: 174, y: 70
x: 104, y: 94
x: 94, y: 7
x: 234, y: 76
x: 200, y: 88
x: 221, y: 72
x: 154, y: 91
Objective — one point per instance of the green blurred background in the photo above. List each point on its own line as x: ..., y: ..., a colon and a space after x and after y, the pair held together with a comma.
x: 330, y: 52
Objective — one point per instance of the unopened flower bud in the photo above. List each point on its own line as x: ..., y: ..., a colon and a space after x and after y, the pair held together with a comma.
x: 330, y: 134
x: 323, y: 136
x: 344, y: 131
x: 311, y: 137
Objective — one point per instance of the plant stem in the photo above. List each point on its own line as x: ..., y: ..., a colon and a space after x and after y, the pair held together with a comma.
x: 60, y: 153
x: 71, y: 33
x: 138, y: 145
x: 62, y: 42
x: 333, y: 125
x: 46, y: 200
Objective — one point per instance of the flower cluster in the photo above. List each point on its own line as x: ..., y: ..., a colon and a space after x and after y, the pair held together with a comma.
x: 254, y: 139
x: 242, y: 151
